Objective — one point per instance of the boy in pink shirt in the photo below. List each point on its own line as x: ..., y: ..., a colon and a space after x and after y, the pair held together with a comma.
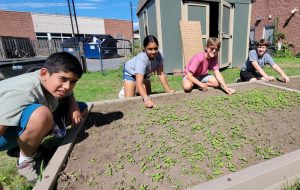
x: 196, y: 72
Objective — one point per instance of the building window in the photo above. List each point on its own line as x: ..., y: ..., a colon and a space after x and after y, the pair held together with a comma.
x: 40, y: 35
x: 269, y: 33
x: 252, y: 36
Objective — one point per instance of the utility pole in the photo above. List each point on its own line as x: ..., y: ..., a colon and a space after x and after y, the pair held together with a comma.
x: 132, y: 24
x: 70, y: 13
x: 81, y: 50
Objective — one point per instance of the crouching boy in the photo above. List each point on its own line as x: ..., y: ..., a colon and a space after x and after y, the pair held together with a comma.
x: 252, y: 70
x: 27, y: 102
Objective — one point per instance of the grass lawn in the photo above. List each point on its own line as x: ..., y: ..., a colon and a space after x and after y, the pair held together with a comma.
x: 96, y: 87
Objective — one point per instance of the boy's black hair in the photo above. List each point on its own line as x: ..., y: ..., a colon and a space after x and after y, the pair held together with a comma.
x: 149, y: 39
x: 63, y: 61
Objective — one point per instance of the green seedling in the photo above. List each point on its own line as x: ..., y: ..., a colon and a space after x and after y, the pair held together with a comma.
x: 109, y: 170
x: 143, y: 187
x: 157, y: 177
x: 93, y: 161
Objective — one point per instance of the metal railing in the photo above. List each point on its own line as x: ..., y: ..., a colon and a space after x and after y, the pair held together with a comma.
x: 123, y: 48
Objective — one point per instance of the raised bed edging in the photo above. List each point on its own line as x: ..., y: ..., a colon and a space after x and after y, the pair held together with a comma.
x: 58, y: 160
x: 271, y: 175
x: 287, y: 165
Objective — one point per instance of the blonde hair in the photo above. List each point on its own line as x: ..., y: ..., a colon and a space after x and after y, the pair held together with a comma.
x: 212, y: 41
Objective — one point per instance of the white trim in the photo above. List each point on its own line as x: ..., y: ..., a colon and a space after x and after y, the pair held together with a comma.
x: 145, y: 21
x: 159, y: 26
x: 230, y: 32
x: 185, y: 13
x: 264, y: 33
x: 230, y: 50
x: 248, y: 33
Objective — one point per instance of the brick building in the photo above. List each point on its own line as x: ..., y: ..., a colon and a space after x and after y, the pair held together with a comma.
x: 118, y: 28
x: 54, y: 26
x: 263, y: 20
x: 16, y: 24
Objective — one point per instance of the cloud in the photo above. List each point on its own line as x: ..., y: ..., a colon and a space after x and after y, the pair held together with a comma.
x: 135, y: 26
x: 86, y: 6
x: 32, y: 5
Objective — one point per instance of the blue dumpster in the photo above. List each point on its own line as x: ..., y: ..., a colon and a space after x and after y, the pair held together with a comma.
x: 91, y: 46
x: 71, y: 45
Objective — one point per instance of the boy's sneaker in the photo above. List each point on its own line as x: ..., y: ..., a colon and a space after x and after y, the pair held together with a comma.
x: 60, y: 130
x: 30, y: 169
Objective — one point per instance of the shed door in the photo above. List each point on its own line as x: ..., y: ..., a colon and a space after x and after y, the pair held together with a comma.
x: 225, y: 33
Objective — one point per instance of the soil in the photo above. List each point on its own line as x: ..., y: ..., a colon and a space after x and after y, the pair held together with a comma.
x: 293, y: 83
x: 187, y: 139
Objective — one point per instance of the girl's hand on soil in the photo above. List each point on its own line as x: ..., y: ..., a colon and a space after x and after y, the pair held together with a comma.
x: 170, y: 91
x: 230, y: 91
x: 285, y: 79
x: 203, y: 87
x: 148, y: 103
x: 270, y: 78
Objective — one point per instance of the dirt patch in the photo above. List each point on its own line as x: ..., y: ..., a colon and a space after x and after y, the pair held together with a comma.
x: 187, y: 139
x: 293, y: 83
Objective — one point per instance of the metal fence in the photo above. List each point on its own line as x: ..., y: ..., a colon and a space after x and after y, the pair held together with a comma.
x: 13, y: 47
x: 46, y: 47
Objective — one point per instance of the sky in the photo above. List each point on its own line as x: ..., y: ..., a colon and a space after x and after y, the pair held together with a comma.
x: 112, y: 9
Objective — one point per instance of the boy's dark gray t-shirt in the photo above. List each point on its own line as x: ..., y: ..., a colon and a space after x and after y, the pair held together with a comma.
x: 141, y: 64
x: 19, y: 92
x: 262, y: 61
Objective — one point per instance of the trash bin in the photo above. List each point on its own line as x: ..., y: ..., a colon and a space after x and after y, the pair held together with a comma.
x: 108, y: 47
x: 91, y: 46
x: 71, y: 45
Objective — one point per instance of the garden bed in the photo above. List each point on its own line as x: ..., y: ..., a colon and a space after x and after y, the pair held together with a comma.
x: 186, y: 140
x: 292, y: 84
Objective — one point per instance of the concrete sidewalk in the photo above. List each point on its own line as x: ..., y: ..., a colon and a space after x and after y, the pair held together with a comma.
x: 94, y: 65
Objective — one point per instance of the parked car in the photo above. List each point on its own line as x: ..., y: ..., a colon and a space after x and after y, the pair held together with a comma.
x: 17, y: 66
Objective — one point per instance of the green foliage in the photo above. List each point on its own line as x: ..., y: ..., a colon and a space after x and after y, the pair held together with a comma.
x: 294, y: 186
x: 286, y: 49
x: 284, y: 52
x: 137, y: 48
x: 9, y: 177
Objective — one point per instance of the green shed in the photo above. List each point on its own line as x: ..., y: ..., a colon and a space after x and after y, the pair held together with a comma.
x: 229, y: 20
